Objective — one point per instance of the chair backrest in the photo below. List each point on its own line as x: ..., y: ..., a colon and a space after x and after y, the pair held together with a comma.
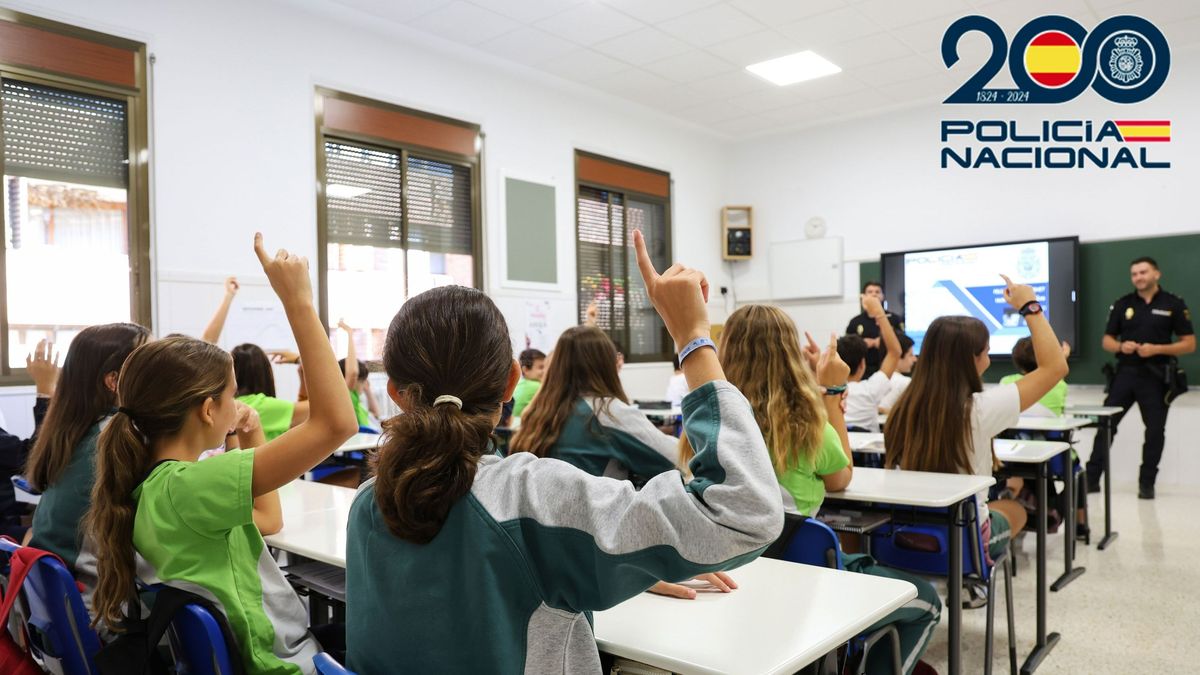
x: 58, y: 625
x: 326, y: 665
x: 922, y: 548
x: 806, y: 540
x: 198, y: 644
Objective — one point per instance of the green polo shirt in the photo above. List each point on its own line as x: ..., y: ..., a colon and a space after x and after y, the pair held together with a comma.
x: 274, y: 413
x: 803, y: 481
x: 1055, y: 399
x: 523, y: 394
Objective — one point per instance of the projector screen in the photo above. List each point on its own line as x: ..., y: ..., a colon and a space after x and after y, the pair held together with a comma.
x: 923, y: 285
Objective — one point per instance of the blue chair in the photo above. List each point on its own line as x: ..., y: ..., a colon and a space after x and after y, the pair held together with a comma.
x: 368, y: 430
x: 197, y: 643
x: 326, y: 665
x: 809, y: 541
x: 57, y: 625
x: 890, y: 548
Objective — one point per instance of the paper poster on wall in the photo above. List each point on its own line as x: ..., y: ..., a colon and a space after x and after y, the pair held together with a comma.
x: 537, y: 325
x: 263, y: 324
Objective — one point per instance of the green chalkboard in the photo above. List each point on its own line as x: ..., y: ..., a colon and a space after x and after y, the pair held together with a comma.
x: 529, y: 226
x: 1104, y: 277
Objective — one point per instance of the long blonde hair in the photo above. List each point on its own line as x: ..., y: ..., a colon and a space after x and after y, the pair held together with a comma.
x: 761, y: 355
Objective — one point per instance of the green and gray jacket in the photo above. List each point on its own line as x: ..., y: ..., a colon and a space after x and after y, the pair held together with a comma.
x: 607, y: 437
x: 508, y: 584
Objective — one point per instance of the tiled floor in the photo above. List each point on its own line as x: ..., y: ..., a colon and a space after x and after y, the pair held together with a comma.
x: 1135, y: 610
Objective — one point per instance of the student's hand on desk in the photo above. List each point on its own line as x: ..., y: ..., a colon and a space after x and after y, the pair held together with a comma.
x: 287, y: 272
x: 1130, y: 347
x: 1017, y: 295
x: 679, y: 295
x: 719, y: 580
x: 832, y: 371
x: 43, y: 371
x: 1146, y: 350
x: 232, y: 286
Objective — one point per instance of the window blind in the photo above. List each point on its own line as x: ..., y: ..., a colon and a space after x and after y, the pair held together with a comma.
x: 439, y: 205
x: 362, y: 193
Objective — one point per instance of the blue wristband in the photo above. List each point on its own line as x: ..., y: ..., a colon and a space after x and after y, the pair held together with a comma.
x: 693, y: 346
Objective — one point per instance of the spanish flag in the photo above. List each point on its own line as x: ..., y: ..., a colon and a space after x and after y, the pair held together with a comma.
x: 1053, y: 59
x: 1144, y: 131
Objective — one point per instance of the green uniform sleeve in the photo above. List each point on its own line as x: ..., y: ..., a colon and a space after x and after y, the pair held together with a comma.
x: 215, y: 496
x: 831, y: 458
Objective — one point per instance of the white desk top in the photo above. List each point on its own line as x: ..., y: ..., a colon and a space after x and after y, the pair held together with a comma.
x: 1094, y: 410
x: 866, y: 441
x: 1027, y: 452
x: 911, y: 488
x: 1034, y: 423
x: 360, y: 441
x: 782, y: 617
x: 314, y: 521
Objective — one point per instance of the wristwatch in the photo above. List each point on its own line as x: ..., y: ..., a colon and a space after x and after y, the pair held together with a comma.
x: 1031, y: 307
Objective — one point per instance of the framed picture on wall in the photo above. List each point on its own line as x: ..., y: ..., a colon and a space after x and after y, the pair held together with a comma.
x: 530, y: 257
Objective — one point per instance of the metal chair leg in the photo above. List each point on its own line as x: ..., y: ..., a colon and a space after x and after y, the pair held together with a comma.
x: 1008, y: 606
x: 871, y: 640
x: 991, y: 622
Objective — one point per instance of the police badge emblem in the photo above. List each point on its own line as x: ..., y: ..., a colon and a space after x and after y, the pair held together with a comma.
x: 1128, y: 313
x: 1125, y: 60
x: 860, y: 329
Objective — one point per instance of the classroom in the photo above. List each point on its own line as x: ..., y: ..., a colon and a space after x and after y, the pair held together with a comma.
x: 756, y: 337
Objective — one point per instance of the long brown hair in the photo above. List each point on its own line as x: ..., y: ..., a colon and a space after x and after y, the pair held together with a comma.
x: 448, y: 341
x: 252, y: 367
x: 161, y: 383
x: 584, y: 363
x: 761, y: 356
x: 929, y: 428
x: 82, y: 397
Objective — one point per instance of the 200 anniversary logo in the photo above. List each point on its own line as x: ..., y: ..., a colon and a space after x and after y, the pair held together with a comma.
x: 1054, y: 59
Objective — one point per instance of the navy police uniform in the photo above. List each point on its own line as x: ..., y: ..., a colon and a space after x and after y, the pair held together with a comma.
x: 1142, y: 380
x: 865, y: 327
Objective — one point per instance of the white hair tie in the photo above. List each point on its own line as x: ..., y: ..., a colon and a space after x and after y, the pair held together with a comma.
x: 446, y: 398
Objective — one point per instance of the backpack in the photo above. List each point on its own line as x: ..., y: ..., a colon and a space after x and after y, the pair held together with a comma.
x: 15, y: 660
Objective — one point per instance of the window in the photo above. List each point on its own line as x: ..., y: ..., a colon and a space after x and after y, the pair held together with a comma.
x: 612, y: 200
x: 76, y: 216
x: 399, y: 211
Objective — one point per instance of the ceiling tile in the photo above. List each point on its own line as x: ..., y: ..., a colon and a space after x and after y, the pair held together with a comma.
x: 529, y: 46
x: 934, y: 88
x: 631, y: 83
x: 892, y: 14
x: 777, y: 12
x: 642, y: 46
x: 829, y: 28
x: 584, y: 65
x: 695, y: 65
x: 768, y: 99
x: 1157, y: 11
x: 755, y: 47
x: 711, y: 112
x: 731, y: 84
x: 866, y: 50
x: 394, y: 11
x: 745, y: 127
x: 711, y: 25
x: 675, y: 97
x: 655, y: 11
x: 825, y: 87
x: 465, y: 23
x: 527, y: 11
x: 1013, y: 14
x: 589, y: 23
x: 926, y: 35
x: 902, y: 69
x: 801, y: 113
x: 1182, y: 33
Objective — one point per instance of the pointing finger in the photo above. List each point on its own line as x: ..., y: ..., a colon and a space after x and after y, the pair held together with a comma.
x: 259, y: 250
x: 643, y: 258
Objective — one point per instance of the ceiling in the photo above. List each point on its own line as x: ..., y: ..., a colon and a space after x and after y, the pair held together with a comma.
x: 687, y: 58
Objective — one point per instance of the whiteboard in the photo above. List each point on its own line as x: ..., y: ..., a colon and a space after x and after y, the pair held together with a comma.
x: 807, y: 268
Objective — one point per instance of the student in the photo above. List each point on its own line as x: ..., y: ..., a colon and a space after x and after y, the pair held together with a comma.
x: 1054, y: 403
x: 582, y: 416
x: 902, y: 376
x: 926, y: 430
x: 192, y: 522
x: 449, y: 540
x: 677, y: 386
x: 255, y: 376
x: 14, y: 450
x: 865, y: 396
x: 865, y: 326
x: 356, y: 381
x: 533, y: 367
x: 62, y: 462
x: 798, y: 407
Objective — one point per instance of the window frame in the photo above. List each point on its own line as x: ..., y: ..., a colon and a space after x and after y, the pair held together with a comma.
x: 324, y: 133
x: 668, y: 343
x: 137, y: 190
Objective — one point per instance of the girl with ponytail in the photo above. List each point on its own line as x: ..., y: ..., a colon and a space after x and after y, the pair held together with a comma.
x: 448, y: 539
x: 193, y: 523
x: 62, y: 461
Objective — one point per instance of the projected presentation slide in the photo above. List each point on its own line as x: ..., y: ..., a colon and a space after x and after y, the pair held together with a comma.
x: 966, y: 281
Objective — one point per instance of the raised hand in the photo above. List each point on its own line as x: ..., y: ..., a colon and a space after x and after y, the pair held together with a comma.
x: 42, y: 369
x: 247, y: 418
x: 287, y: 272
x: 1017, y: 295
x: 232, y: 286
x: 679, y: 295
x: 872, y: 305
x: 345, y: 326
x: 832, y: 371
x: 812, y: 352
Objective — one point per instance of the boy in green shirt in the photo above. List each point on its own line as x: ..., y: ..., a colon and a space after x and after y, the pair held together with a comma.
x: 533, y: 367
x: 1054, y: 403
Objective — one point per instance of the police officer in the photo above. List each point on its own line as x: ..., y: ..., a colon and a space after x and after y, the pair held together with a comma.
x: 866, y: 328
x: 1139, y: 333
